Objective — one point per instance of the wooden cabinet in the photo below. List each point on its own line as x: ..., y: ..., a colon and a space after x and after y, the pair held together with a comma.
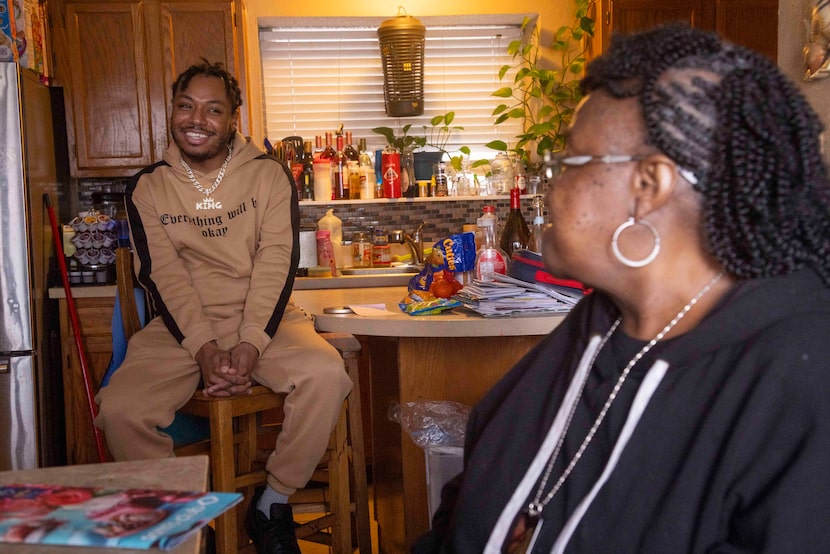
x: 95, y: 319
x: 751, y: 23
x: 117, y: 61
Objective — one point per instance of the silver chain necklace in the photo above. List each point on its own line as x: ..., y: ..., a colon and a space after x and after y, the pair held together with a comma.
x: 535, y: 508
x: 208, y: 203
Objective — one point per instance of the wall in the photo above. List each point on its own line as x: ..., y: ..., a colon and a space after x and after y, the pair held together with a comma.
x: 793, y: 27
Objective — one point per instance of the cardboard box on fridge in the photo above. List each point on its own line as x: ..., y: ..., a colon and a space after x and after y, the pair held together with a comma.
x: 34, y: 15
x: 8, y: 46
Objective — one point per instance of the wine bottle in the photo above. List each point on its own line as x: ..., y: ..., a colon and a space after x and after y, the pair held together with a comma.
x: 308, y: 172
x: 367, y: 173
x: 328, y: 150
x: 340, y: 172
x: 349, y: 149
x: 516, y: 235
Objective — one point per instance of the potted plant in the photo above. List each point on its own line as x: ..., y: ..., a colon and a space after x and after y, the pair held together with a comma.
x: 430, y: 147
x: 544, y: 99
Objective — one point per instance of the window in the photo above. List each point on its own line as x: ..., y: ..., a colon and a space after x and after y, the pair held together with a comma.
x: 319, y: 72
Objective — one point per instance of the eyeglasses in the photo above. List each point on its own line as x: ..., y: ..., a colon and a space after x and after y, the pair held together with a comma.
x: 556, y: 164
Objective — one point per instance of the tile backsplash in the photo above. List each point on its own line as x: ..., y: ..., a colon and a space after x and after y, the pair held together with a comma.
x: 443, y: 217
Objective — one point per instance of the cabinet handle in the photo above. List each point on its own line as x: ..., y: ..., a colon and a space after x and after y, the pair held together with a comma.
x: 607, y: 17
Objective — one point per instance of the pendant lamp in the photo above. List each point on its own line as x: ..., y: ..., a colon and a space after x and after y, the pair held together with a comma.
x: 402, y: 53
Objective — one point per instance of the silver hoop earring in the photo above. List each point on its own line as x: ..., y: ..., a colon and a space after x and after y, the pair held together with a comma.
x: 628, y: 262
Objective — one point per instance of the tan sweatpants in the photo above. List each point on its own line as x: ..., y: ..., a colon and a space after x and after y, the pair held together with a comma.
x: 158, y: 377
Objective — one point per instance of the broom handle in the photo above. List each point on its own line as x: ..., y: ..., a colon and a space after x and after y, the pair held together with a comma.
x: 76, y: 328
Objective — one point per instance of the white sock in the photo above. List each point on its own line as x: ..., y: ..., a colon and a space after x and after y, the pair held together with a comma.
x: 270, y: 496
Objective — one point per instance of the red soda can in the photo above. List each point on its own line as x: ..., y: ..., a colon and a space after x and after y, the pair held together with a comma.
x: 391, y: 174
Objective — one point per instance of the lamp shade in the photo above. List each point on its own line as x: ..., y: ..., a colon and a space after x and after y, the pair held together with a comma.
x: 402, y: 53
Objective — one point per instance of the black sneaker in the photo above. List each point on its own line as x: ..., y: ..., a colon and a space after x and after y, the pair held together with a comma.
x: 275, y: 535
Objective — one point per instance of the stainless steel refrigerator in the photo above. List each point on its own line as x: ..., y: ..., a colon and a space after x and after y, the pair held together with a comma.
x: 30, y: 420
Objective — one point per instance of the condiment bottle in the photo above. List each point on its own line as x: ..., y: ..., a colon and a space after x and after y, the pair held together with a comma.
x: 325, y: 251
x: 334, y: 225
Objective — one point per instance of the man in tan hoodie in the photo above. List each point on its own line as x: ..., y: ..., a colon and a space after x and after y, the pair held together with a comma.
x: 214, y: 229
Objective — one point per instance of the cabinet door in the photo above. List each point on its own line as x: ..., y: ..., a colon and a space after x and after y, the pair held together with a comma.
x: 95, y: 319
x: 629, y: 16
x: 108, y: 105
x: 191, y: 31
x: 750, y: 23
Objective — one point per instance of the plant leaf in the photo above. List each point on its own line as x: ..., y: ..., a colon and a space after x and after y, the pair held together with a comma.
x: 497, y: 145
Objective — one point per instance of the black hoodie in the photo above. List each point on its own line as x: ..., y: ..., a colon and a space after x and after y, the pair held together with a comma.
x: 731, y: 453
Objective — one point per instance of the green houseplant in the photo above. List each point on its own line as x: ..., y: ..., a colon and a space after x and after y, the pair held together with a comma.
x: 544, y: 99
x: 431, y: 145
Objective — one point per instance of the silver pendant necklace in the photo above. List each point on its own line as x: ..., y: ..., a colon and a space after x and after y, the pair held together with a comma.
x: 534, y: 509
x: 208, y: 203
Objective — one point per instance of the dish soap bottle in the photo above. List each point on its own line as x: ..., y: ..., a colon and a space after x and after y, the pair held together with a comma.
x: 332, y: 223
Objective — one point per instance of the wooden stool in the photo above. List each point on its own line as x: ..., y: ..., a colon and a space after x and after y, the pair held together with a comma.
x: 232, y: 447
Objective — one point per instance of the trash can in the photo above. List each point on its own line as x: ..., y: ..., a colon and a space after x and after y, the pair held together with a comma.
x: 442, y: 464
x: 438, y: 427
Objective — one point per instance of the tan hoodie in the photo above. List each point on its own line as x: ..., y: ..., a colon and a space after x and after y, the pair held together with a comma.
x: 202, y: 266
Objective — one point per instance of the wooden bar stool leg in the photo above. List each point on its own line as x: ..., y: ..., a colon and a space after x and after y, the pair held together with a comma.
x: 358, y: 461
x: 222, y: 472
x: 339, y: 488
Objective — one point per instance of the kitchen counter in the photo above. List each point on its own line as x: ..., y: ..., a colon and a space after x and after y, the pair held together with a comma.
x: 300, y: 283
x: 455, y: 323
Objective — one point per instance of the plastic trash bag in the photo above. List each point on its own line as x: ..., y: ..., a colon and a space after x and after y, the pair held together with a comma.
x: 432, y: 422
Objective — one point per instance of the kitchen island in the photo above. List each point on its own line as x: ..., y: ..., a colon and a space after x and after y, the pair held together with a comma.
x: 455, y: 356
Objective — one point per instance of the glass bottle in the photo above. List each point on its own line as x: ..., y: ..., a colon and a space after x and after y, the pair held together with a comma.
x: 381, y: 254
x: 340, y: 172
x: 516, y: 235
x: 367, y: 173
x: 488, y: 216
x: 354, y: 179
x: 349, y: 148
x: 538, y: 224
x: 490, y: 258
x: 307, y: 177
x: 520, y: 175
x: 439, y: 171
x: 501, y: 174
x: 329, y: 151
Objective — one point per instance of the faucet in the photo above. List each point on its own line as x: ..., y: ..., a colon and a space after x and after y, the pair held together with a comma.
x: 415, y: 242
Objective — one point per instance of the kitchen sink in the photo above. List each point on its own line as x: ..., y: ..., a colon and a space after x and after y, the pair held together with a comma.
x: 380, y: 270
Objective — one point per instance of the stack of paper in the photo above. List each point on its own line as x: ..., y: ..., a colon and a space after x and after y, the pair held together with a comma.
x: 507, y: 296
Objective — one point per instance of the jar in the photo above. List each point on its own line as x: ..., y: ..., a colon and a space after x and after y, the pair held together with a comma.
x: 110, y: 204
x: 381, y: 253
x: 361, y: 250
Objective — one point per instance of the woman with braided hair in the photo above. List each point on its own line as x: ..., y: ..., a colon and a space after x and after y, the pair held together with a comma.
x: 683, y: 405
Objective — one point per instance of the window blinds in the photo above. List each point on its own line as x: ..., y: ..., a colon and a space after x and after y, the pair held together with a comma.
x: 320, y: 72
